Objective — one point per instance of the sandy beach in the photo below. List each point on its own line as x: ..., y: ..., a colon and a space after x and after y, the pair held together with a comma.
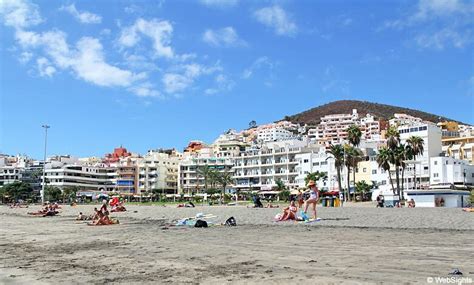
x: 350, y: 245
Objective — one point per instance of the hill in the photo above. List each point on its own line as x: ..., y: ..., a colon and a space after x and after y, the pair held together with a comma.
x: 380, y: 111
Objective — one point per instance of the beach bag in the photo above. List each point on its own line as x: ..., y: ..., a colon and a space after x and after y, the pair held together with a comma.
x: 231, y: 222
x: 200, y: 224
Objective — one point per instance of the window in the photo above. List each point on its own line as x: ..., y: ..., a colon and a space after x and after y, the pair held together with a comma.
x: 374, y: 171
x: 435, y: 175
x: 364, y: 170
x: 436, y: 162
x: 306, y: 161
x: 315, y: 163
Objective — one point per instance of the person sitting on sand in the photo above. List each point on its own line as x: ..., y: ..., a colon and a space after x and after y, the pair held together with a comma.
x: 289, y: 213
x: 313, y: 198
x: 82, y: 217
x: 104, y: 220
x: 411, y: 203
x: 380, y: 201
x: 256, y: 202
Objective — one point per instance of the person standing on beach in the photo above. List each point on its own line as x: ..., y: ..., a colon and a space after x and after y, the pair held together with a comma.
x: 313, y: 198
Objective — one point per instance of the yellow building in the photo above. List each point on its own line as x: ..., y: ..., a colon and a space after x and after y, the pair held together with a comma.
x: 459, y: 148
x: 449, y: 129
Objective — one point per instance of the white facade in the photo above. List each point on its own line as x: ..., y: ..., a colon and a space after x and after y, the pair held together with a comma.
x: 313, y: 160
x: 273, y: 134
x: 158, y: 170
x: 403, y: 120
x: 431, y: 136
x: 448, y: 170
x: 189, y: 179
x: 259, y: 169
x: 86, y: 178
x: 333, y: 128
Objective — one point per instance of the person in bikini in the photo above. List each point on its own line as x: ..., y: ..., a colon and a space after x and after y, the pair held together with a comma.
x: 289, y: 213
x: 313, y: 198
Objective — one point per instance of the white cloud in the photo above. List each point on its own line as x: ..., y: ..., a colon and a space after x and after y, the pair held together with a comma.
x: 19, y: 14
x: 443, y: 38
x: 219, y: 3
x: 44, y: 67
x: 90, y: 65
x: 275, y: 17
x: 226, y: 37
x: 25, y: 57
x: 159, y: 32
x: 145, y: 89
x: 174, y: 82
x: 82, y: 16
x: 223, y: 84
x: 257, y: 64
x: 438, y: 23
x: 181, y: 77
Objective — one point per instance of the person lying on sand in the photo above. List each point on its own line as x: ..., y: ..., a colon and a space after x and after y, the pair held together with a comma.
x: 289, y: 213
x: 118, y: 208
x: 470, y: 210
x: 40, y: 212
x: 269, y: 205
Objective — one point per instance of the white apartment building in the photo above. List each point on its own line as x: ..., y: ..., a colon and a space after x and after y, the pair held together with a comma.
x: 89, y: 179
x: 158, y: 170
x: 431, y: 136
x: 189, y: 179
x: 316, y: 159
x: 273, y: 134
x: 448, y: 170
x: 333, y: 128
x: 400, y: 119
x: 258, y: 168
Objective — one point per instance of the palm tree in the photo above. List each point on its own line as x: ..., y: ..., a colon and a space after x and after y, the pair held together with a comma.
x: 225, y: 178
x: 280, y: 185
x: 363, y: 188
x: 204, y: 172
x: 383, y: 160
x: 353, y: 135
x: 337, y: 151
x: 315, y: 176
x: 393, y: 137
x: 416, y: 144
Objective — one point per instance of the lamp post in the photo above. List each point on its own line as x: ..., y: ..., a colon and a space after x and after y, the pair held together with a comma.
x: 46, y: 127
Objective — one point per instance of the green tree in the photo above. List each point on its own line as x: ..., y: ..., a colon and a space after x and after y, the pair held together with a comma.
x: 280, y: 185
x: 284, y: 195
x: 416, y: 143
x: 383, y: 160
x: 52, y: 193
x: 362, y: 188
x: 225, y: 178
x: 17, y: 190
x: 204, y: 172
x: 315, y: 176
x: 337, y: 152
x: 354, y: 135
x: 69, y: 193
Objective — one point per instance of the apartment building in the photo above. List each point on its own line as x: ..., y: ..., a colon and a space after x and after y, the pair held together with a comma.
x: 313, y: 159
x: 400, y: 119
x: 369, y: 171
x: 158, y: 169
x: 459, y: 148
x: 89, y: 180
x: 273, y: 134
x: 189, y: 179
x: 259, y: 167
x: 431, y: 136
x: 333, y: 128
x: 448, y: 170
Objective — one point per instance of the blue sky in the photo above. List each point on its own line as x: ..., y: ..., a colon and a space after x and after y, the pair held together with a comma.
x: 149, y: 74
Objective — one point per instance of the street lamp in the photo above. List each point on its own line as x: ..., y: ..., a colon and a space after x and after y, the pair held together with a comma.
x: 46, y: 127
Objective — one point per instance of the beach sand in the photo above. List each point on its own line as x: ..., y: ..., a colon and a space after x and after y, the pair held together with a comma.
x: 350, y: 245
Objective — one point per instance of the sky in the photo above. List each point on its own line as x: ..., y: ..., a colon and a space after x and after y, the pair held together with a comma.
x: 151, y: 74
